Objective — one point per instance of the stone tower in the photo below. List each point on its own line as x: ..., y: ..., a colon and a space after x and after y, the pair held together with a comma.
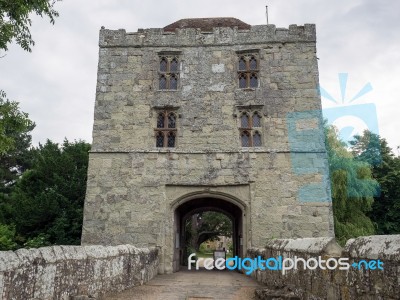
x: 207, y: 114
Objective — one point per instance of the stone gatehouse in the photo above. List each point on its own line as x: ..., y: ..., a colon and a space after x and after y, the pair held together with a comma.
x: 207, y: 114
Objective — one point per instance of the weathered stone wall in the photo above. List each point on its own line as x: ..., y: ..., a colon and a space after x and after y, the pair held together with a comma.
x: 282, y: 187
x: 208, y: 95
x: 61, y: 272
x: 333, y: 284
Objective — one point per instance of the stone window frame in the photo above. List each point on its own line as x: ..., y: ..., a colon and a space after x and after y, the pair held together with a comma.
x: 164, y: 129
x: 250, y: 128
x: 248, y: 71
x: 169, y: 72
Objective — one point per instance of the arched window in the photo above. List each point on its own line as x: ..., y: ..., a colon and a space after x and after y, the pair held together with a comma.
x: 174, y: 65
x: 168, y: 73
x: 245, y: 139
x: 160, y: 139
x: 173, y: 82
x: 242, y: 80
x: 165, y: 132
x: 163, y: 82
x: 250, y: 129
x: 171, y: 139
x: 248, y: 71
x: 171, y: 120
x: 164, y: 65
x: 253, y: 63
x: 257, y: 139
x: 244, y: 121
x: 160, y: 120
x: 256, y: 120
x: 242, y: 64
x: 253, y: 80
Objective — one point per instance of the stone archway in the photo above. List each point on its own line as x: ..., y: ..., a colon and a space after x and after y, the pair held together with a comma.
x: 233, y: 208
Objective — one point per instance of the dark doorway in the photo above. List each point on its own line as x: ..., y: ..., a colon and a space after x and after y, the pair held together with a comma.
x: 188, y: 209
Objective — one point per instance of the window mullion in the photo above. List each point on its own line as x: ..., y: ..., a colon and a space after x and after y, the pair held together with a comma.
x: 247, y: 75
x: 169, y: 72
x: 166, y: 119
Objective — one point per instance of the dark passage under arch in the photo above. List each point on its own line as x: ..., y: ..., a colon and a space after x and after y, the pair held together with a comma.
x: 190, y: 207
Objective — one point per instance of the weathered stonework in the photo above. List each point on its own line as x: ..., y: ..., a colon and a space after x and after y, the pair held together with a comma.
x: 346, y: 284
x: 74, y: 272
x: 136, y: 190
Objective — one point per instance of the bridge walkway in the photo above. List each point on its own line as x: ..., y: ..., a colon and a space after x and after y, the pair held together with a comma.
x: 193, y: 285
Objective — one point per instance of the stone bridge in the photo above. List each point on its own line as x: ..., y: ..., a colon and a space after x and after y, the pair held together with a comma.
x: 127, y: 272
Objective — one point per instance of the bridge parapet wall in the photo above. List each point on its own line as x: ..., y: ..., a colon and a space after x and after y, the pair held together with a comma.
x: 355, y: 282
x: 64, y: 272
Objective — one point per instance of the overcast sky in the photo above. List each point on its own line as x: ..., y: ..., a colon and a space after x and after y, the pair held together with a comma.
x: 56, y: 83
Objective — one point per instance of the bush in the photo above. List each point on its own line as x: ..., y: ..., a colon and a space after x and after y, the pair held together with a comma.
x: 7, y: 238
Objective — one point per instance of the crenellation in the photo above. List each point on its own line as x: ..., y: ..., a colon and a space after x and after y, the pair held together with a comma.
x: 192, y: 37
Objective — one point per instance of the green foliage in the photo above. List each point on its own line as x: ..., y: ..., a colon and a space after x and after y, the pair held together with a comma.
x: 367, y: 148
x: 352, y: 190
x: 15, y: 20
x: 203, y: 248
x: 13, y: 123
x: 41, y: 189
x: 230, y: 247
x: 385, y: 211
x: 356, y: 176
x: 7, y: 238
x: 206, y: 226
x: 41, y: 240
x: 46, y: 204
x: 15, y: 141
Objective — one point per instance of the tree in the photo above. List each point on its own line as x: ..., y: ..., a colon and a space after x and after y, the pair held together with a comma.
x: 15, y: 20
x: 7, y: 238
x: 15, y: 140
x: 206, y: 226
x: 367, y: 148
x: 385, y: 211
x: 12, y: 123
x: 46, y: 204
x: 353, y: 189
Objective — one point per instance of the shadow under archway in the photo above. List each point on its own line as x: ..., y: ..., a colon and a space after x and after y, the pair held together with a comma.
x: 209, y: 203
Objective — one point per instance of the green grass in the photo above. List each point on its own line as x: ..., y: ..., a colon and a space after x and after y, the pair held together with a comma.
x: 204, y: 254
x: 209, y: 254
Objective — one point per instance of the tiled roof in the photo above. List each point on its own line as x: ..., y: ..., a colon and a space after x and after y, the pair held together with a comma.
x: 207, y: 24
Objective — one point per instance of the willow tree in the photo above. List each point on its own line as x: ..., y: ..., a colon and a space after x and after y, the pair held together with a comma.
x: 353, y: 190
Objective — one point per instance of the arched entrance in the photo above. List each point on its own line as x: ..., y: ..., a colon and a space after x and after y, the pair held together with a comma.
x: 185, y: 208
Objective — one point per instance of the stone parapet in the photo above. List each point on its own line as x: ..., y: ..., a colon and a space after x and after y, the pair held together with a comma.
x: 157, y: 37
x: 355, y: 282
x: 62, y: 272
